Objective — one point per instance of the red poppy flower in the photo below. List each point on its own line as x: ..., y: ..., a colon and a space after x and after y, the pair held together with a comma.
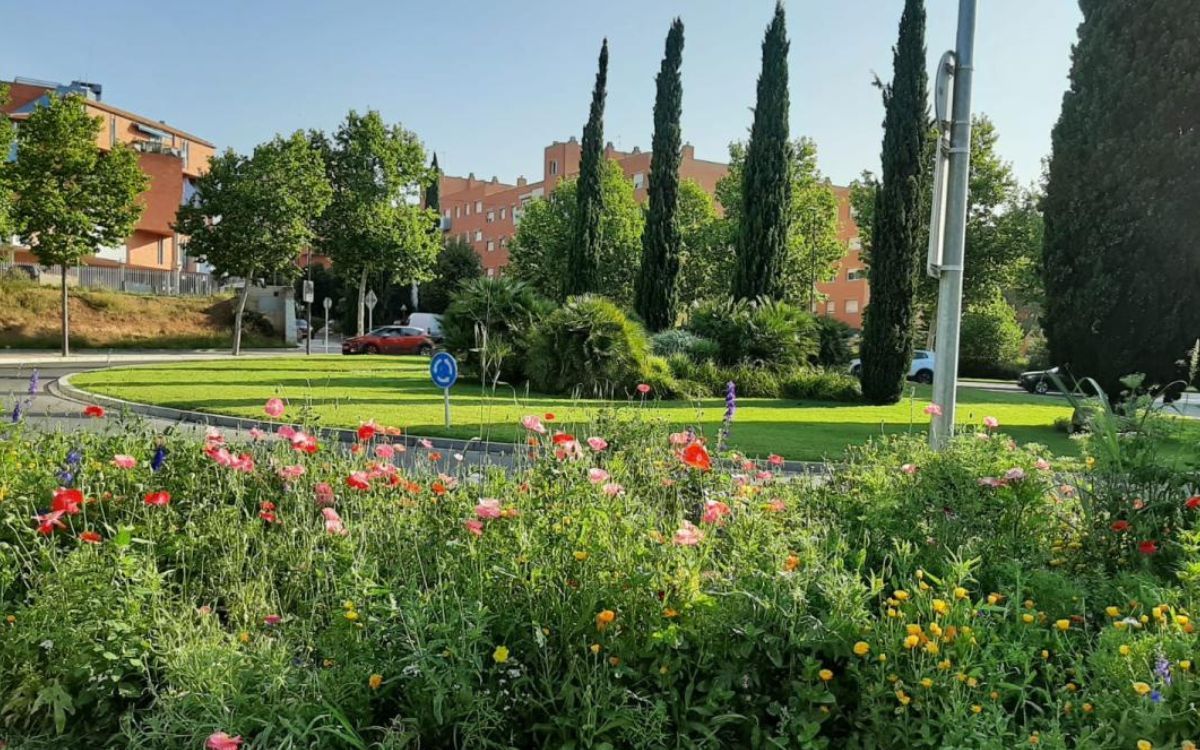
x: 549, y: 416
x: 1192, y: 503
x: 367, y: 430
x: 159, y: 499
x: 438, y: 488
x: 90, y: 537
x: 66, y: 501
x: 562, y: 438
x: 1148, y: 547
x: 1120, y: 526
x: 358, y: 481
x: 435, y: 456
x: 696, y: 456
x: 93, y: 410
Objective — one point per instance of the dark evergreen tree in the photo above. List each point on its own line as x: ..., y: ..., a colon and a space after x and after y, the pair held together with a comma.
x: 433, y: 191
x: 888, y: 323
x: 584, y: 262
x: 661, y: 241
x: 762, y: 241
x: 1120, y: 264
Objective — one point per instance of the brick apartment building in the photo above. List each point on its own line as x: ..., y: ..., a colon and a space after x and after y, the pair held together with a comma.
x: 170, y: 157
x: 485, y: 213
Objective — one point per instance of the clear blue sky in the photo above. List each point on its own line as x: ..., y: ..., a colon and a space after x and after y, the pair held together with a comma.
x: 487, y: 84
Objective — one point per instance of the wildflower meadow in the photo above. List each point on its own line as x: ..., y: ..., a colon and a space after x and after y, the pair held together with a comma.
x: 619, y: 585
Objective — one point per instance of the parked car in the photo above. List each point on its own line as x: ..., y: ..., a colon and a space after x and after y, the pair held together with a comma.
x: 390, y: 340
x: 1040, y: 381
x: 301, y: 329
x: 921, y: 369
x: 431, y: 322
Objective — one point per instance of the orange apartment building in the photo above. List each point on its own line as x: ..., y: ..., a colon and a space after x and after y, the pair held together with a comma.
x: 170, y: 157
x: 485, y: 213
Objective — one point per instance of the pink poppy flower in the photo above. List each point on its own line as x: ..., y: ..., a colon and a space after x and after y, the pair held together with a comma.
x: 222, y: 741
x: 473, y: 526
x: 775, y: 459
x: 597, y: 443
x: 291, y: 472
x: 385, y: 451
x: 739, y: 480
x: 909, y: 469
x: 643, y: 388
x: 159, y: 499
x: 48, y: 522
x: 1042, y: 464
x: 688, y: 535
x: 487, y: 509
x: 679, y: 438
x: 257, y: 434
x: 991, y: 423
x: 533, y: 424
x: 272, y: 620
x: 122, y: 461
x: 449, y: 481
x: 303, y: 442
x: 243, y: 463
x: 764, y: 476
x: 213, y: 436
x: 333, y: 522
x: 324, y: 493
x: 714, y: 511
x: 425, y: 443
x: 1014, y: 474
x: 286, y: 431
x: 274, y: 408
x: 596, y: 475
x: 933, y: 410
x: 358, y: 480
x: 612, y: 489
x: 776, y: 506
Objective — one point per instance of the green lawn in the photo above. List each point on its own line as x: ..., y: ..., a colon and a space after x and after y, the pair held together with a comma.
x: 396, y: 391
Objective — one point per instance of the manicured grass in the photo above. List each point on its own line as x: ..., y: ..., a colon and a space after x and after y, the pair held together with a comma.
x: 396, y: 391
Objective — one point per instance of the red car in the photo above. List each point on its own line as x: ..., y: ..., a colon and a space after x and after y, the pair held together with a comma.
x: 390, y: 340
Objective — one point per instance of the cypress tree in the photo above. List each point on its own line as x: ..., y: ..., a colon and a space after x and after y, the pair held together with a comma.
x: 762, y: 241
x: 887, y: 329
x: 584, y: 261
x: 433, y: 191
x: 656, y: 284
x: 1120, y: 264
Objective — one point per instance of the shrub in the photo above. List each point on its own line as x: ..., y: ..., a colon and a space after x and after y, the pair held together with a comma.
x: 763, y: 332
x: 991, y: 340
x: 833, y: 341
x: 674, y: 341
x: 588, y: 345
x: 504, y: 311
x: 821, y: 385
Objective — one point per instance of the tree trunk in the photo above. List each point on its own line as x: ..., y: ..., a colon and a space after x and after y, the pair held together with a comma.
x: 66, y: 317
x: 362, y: 301
x: 237, y: 317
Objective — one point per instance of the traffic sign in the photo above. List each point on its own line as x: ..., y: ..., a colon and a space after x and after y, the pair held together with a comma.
x: 328, y: 303
x: 371, y: 299
x: 443, y: 369
x: 307, y: 294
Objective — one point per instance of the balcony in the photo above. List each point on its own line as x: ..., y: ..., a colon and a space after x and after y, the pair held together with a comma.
x: 157, y: 147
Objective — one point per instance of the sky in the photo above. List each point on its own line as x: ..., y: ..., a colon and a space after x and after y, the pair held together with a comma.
x: 488, y: 84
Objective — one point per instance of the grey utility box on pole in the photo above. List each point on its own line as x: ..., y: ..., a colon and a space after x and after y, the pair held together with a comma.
x: 948, y: 224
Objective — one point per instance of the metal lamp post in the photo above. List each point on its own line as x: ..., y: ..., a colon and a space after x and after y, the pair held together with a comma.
x: 948, y: 225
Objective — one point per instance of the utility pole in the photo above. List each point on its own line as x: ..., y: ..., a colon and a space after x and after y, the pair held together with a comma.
x: 946, y: 262
x: 308, y: 300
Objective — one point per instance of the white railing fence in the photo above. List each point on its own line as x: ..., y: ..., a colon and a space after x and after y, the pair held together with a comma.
x: 121, y: 279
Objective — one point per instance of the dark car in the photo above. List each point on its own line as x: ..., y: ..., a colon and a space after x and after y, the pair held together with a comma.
x: 390, y: 340
x: 1043, y: 381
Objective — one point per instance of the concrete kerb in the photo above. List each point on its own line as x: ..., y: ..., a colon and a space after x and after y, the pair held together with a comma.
x: 62, y: 388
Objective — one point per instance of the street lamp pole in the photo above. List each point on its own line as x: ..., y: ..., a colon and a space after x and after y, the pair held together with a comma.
x: 308, y: 305
x: 949, y: 266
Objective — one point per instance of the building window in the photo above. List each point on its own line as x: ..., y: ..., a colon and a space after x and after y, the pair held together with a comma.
x: 457, y: 211
x: 553, y: 166
x: 478, y: 235
x: 447, y: 213
x: 503, y: 213
x: 112, y: 129
x: 491, y: 246
x: 162, y: 257
x: 467, y: 210
x: 478, y: 207
x: 830, y: 307
x: 852, y: 306
x: 856, y: 274
x: 639, y: 180
x: 491, y: 216
x: 855, y: 243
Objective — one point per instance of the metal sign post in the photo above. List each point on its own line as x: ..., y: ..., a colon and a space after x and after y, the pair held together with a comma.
x: 443, y: 371
x: 328, y: 303
x: 371, y: 301
x: 949, y: 262
x: 307, y: 296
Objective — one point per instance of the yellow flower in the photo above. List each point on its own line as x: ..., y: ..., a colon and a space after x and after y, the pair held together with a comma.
x: 347, y: 604
x: 1187, y: 745
x: 1045, y: 654
x: 1144, y: 619
x: 605, y: 618
x: 900, y: 594
x: 935, y: 629
x: 580, y: 555
x: 940, y: 606
x: 1027, y: 618
x: 1088, y: 708
x: 972, y: 682
x: 882, y: 658
x: 1112, y: 611
x: 960, y: 593
x: 825, y: 675
x: 669, y: 613
x: 862, y: 648
x: 244, y: 637
x: 374, y: 681
x: 1034, y: 739
x: 1091, y: 462
x: 1144, y: 745
x: 920, y: 574
x: 891, y: 612
x: 1120, y: 624
x: 913, y: 628
x: 1072, y: 687
x: 931, y: 648
x: 976, y: 708
x: 327, y: 663
x: 944, y: 664
x: 614, y: 661
x: 10, y: 619
x: 1185, y: 664
x: 595, y: 648
x: 352, y: 616
x: 1181, y: 619
x: 903, y: 697
x: 926, y: 683
x: 1141, y: 688
x: 912, y: 641
x: 994, y: 599
x: 923, y: 586
x: 1124, y: 650
x: 1062, y: 624
x: 994, y: 695
x: 1028, y: 604
x: 500, y: 655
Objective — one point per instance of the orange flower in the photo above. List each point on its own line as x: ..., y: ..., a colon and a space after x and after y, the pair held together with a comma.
x: 438, y: 488
x: 605, y: 618
x: 791, y: 563
x: 696, y: 456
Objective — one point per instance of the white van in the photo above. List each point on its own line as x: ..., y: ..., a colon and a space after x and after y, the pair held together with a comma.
x: 431, y: 323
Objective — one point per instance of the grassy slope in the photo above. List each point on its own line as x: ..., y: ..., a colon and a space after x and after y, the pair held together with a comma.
x: 396, y: 391
x: 29, y: 318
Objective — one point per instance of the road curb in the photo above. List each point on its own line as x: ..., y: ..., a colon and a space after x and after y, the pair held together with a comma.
x: 62, y: 388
